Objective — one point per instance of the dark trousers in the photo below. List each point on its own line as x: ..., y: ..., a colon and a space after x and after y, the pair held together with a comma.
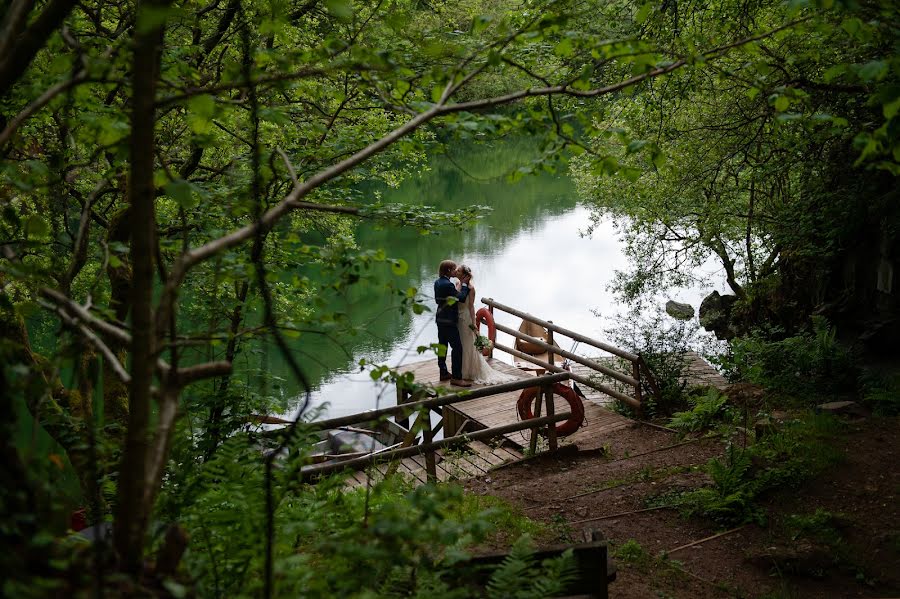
x: 448, y: 335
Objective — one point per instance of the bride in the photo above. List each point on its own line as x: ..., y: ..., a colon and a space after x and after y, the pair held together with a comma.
x: 474, y: 367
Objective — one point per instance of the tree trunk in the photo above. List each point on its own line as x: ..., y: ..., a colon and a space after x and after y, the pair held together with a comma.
x: 132, y: 513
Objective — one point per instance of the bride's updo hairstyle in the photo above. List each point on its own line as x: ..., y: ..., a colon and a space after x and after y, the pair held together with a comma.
x: 465, y: 270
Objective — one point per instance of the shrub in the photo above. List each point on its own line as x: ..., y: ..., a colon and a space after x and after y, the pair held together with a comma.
x: 662, y: 342
x: 881, y: 392
x: 801, y: 450
x: 705, y: 409
x: 804, y: 365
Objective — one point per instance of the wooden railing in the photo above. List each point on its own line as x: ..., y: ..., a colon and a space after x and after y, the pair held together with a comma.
x: 640, y: 373
x: 428, y: 447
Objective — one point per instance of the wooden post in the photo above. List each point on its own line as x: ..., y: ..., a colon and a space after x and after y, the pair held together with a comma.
x: 636, y: 374
x: 402, y: 395
x: 532, y: 444
x: 491, y: 352
x: 548, y: 396
x: 428, y: 437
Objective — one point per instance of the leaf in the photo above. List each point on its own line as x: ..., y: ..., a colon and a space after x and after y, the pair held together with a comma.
x: 36, y: 227
x: 400, y: 88
x: 399, y: 267
x: 782, y: 103
x: 203, y: 105
x: 643, y: 13
x: 874, y: 70
x: 891, y: 108
x: 631, y: 173
x: 342, y: 9
x: 834, y: 72
x: 480, y: 23
x: 152, y: 16
x: 565, y: 48
x: 273, y: 115
x: 636, y: 145
x: 182, y: 192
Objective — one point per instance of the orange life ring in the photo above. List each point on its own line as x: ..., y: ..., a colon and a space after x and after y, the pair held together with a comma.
x: 485, y: 315
x: 563, y: 428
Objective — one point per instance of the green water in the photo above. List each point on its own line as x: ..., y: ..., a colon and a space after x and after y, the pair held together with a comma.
x: 526, y: 252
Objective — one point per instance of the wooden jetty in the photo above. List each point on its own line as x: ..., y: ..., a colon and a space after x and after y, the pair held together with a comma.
x: 483, y: 426
x: 499, y: 410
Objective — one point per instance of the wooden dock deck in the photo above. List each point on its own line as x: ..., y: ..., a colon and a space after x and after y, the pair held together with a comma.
x: 474, y: 460
x: 500, y: 409
x: 477, y: 457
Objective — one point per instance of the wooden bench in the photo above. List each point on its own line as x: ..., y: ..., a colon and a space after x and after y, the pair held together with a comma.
x: 595, y: 569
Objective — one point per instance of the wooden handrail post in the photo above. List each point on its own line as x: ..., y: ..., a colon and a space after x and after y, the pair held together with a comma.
x: 427, y: 438
x: 548, y: 395
x: 402, y: 397
x: 636, y: 373
x: 491, y: 351
x: 532, y: 444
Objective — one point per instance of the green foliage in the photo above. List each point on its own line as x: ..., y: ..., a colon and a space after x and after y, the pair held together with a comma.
x: 520, y: 577
x: 389, y: 541
x: 881, y: 392
x: 705, y: 410
x: 820, y: 526
x: 631, y: 552
x: 805, y: 365
x: 821, y: 107
x: 801, y: 450
x: 662, y: 342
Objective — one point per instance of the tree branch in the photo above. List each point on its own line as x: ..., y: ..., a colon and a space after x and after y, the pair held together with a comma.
x: 19, y: 50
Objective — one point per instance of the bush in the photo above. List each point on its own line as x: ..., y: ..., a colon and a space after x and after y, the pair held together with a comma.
x: 801, y: 450
x: 804, y: 365
x: 705, y: 409
x: 881, y: 392
x: 662, y: 342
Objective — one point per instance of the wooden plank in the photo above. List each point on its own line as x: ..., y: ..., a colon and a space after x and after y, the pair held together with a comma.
x: 479, y: 463
x: 459, y: 467
x: 507, y: 453
x: 411, y: 470
x: 486, y: 452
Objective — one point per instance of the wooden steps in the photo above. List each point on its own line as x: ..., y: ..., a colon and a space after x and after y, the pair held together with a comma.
x: 473, y: 460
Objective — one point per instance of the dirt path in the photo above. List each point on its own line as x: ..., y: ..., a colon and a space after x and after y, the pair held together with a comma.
x: 858, y: 499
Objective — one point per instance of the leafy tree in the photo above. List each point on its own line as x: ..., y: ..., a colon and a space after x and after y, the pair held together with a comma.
x: 773, y: 160
x: 165, y: 165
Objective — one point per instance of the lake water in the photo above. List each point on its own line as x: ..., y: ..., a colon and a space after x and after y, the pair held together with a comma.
x: 527, y: 253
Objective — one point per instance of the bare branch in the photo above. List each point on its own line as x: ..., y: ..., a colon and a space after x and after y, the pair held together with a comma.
x: 93, y: 339
x: 39, y: 103
x: 290, y: 167
x: 78, y: 311
x: 208, y: 370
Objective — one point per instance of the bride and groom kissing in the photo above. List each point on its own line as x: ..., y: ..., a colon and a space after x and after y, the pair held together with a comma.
x: 455, y: 319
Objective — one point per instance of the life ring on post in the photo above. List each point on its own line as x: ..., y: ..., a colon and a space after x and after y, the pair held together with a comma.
x: 485, y: 315
x: 563, y: 428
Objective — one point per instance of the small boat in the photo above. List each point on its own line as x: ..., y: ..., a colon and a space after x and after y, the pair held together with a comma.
x: 537, y: 331
x: 346, y: 442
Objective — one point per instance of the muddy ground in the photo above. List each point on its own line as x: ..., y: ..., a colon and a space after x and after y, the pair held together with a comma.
x: 608, y: 485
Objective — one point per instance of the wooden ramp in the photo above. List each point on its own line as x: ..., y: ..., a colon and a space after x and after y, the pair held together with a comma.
x: 474, y: 460
x: 499, y: 410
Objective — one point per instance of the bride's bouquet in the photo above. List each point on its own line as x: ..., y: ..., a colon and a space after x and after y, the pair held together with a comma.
x: 483, y: 343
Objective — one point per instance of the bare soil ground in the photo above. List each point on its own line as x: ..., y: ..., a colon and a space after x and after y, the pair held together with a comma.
x: 624, y: 472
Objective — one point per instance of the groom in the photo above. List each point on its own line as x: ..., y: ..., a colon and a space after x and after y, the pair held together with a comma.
x: 447, y: 316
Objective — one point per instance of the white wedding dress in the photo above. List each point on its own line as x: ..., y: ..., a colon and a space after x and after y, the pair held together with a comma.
x: 474, y: 367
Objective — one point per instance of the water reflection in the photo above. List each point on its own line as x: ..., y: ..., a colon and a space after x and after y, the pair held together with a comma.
x: 527, y: 253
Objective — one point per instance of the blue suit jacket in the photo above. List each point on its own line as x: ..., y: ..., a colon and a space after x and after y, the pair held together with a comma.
x: 443, y: 289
